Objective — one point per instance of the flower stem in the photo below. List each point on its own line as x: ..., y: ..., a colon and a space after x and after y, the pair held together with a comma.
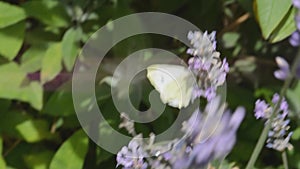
x: 264, y: 134
x: 285, y: 161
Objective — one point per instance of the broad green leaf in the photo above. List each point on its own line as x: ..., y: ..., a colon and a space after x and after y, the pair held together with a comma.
x: 39, y: 160
x: 293, y: 96
x: 4, y: 104
x: 11, y: 40
x: 2, y: 162
x: 285, y: 28
x: 12, y: 88
x: 60, y: 104
x: 8, y: 127
x: 51, y: 13
x: 13, y: 71
x: 15, y: 158
x: 33, y: 94
x: 70, y: 47
x: 31, y: 60
x: 270, y: 13
x: 33, y: 130
x: 51, y: 64
x: 71, y: 153
x: 39, y: 36
x: 10, y: 14
x: 296, y: 134
x: 230, y: 39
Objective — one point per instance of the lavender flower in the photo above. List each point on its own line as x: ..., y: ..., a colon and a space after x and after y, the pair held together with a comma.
x: 296, y: 3
x: 127, y: 123
x: 206, y: 64
x: 284, y: 70
x: 205, y: 140
x: 133, y: 156
x: 278, y: 138
x: 295, y: 38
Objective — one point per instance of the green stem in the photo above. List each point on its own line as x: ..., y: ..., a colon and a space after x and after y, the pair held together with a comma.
x: 285, y: 161
x: 264, y: 134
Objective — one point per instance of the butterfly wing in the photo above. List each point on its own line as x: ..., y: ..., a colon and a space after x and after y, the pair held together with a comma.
x: 174, y: 83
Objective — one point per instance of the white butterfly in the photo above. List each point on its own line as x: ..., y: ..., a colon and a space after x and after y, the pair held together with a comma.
x: 175, y: 83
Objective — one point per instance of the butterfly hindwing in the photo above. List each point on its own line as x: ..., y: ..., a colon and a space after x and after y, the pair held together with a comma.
x: 174, y: 83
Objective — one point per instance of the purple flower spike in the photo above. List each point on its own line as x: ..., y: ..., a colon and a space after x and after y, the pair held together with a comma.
x: 284, y: 70
x: 133, y: 155
x: 295, y: 39
x: 262, y: 109
x: 296, y: 3
x: 297, y: 20
x: 278, y: 139
x: 209, y: 138
x: 206, y: 64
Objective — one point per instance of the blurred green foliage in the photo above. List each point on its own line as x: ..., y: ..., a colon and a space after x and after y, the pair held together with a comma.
x: 41, y: 39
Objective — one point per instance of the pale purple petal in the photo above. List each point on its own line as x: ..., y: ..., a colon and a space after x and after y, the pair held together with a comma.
x: 237, y: 117
x: 275, y: 98
x: 296, y: 3
x: 295, y: 39
x: 284, y: 70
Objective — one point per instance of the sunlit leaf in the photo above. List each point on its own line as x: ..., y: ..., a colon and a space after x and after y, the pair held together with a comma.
x: 285, y: 28
x: 51, y: 64
x: 296, y: 134
x: 10, y: 14
x: 39, y: 160
x: 31, y: 60
x: 270, y: 13
x: 33, y: 94
x: 60, y: 104
x: 33, y: 130
x: 51, y: 13
x: 2, y: 162
x: 12, y: 88
x: 11, y: 40
x: 71, y: 153
x: 70, y: 47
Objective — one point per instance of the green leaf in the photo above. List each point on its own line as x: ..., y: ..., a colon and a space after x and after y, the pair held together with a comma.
x: 13, y: 71
x: 293, y: 95
x: 33, y: 94
x: 12, y: 88
x: 38, y: 160
x: 11, y: 40
x: 70, y: 47
x: 8, y: 127
x: 230, y: 39
x: 4, y: 104
x: 296, y: 134
x: 31, y: 60
x: 10, y: 14
x: 33, y: 130
x: 60, y: 104
x: 51, y: 13
x: 285, y: 28
x: 270, y: 13
x: 51, y: 65
x: 72, y: 153
x: 2, y: 162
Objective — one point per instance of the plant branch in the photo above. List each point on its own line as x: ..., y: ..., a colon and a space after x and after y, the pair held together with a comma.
x: 264, y: 134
